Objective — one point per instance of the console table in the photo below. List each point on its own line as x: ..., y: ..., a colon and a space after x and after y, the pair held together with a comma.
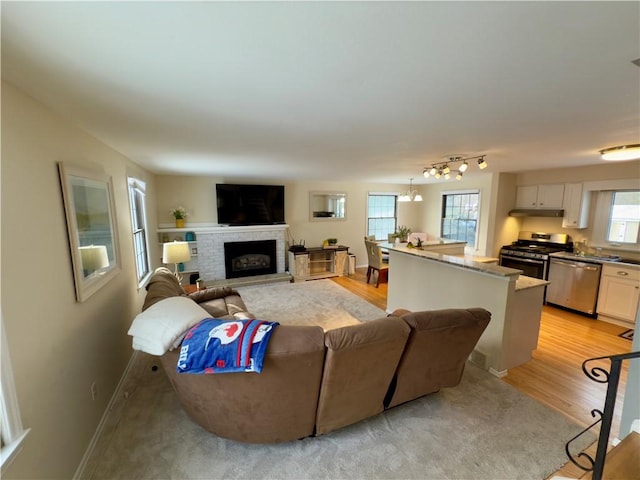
x: 320, y: 262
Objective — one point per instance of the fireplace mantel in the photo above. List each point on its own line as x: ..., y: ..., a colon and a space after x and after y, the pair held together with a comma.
x: 217, y: 228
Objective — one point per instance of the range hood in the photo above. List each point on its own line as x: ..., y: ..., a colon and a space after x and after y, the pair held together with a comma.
x: 536, y: 212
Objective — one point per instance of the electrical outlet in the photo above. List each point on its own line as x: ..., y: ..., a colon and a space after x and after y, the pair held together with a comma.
x: 94, y: 391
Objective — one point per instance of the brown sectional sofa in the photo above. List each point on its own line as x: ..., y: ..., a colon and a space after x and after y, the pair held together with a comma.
x: 313, y: 381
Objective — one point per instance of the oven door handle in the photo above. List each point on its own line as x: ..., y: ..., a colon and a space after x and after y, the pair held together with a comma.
x: 527, y: 260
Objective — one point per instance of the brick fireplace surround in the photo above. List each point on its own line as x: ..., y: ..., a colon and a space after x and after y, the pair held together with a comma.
x: 211, y: 242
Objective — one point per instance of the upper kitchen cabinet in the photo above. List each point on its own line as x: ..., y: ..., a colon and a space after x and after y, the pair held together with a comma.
x: 576, y: 206
x: 540, y: 196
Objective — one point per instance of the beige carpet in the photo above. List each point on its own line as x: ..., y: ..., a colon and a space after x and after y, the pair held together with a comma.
x: 318, y: 302
x: 481, y: 429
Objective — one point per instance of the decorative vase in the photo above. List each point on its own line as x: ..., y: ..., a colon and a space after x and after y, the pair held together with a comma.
x: 179, y: 222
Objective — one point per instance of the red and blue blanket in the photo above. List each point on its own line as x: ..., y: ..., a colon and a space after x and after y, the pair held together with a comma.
x: 225, y: 346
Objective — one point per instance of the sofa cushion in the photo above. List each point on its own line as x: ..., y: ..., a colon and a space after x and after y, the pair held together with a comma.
x: 163, y: 325
x: 359, y: 366
x: 437, y: 350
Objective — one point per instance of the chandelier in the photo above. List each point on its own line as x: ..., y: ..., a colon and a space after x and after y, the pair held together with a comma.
x: 444, y: 169
x: 410, y: 195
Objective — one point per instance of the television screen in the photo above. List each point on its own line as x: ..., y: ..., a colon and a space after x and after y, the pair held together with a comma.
x: 250, y: 204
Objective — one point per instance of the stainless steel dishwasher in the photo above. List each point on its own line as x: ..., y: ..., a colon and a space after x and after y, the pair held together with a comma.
x: 574, y: 284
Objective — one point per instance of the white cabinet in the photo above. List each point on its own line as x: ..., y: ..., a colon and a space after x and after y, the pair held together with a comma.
x: 540, y: 196
x: 527, y: 197
x: 619, y: 293
x: 576, y: 206
x: 314, y: 263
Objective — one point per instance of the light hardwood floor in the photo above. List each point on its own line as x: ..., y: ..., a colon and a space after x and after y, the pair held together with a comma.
x: 554, y: 375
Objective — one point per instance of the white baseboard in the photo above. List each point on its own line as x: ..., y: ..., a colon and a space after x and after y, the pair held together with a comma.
x: 635, y: 427
x: 498, y: 373
x: 96, y: 436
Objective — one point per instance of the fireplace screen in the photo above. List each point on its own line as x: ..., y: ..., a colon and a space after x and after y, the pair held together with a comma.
x: 246, y: 259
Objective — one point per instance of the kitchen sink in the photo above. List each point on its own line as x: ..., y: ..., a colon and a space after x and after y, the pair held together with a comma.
x: 604, y: 258
x: 633, y: 261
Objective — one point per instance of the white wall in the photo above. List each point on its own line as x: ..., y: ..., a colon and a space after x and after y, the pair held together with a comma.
x: 198, y: 196
x: 58, y: 347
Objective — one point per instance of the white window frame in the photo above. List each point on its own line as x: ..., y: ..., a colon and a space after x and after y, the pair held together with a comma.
x: 464, y: 192
x: 134, y: 185
x: 385, y: 194
x: 13, y: 433
x: 602, y: 220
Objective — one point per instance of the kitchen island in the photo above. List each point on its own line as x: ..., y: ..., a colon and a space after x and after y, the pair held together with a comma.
x: 424, y: 280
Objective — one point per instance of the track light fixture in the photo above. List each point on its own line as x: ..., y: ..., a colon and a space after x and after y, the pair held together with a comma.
x: 439, y: 169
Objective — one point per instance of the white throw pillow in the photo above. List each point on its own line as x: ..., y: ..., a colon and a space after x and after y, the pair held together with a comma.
x: 164, y: 324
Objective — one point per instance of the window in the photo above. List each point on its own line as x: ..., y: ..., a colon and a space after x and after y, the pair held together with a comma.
x: 12, y: 433
x: 139, y: 228
x: 381, y: 215
x: 624, y: 217
x: 617, y: 219
x: 459, y: 219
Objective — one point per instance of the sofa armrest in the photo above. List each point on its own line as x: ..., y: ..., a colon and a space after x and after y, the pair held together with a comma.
x: 212, y: 293
x: 437, y: 351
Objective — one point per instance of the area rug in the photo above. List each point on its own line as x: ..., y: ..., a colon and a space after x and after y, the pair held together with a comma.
x: 317, y: 302
x: 481, y: 429
x: 628, y: 334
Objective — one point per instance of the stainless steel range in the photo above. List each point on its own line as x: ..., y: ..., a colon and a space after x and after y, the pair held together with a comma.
x: 530, y: 253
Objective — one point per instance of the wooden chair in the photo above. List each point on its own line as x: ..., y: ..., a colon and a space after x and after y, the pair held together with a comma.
x: 376, y: 261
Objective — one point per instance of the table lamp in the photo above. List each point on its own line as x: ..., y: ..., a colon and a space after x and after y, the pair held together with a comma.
x: 176, y: 252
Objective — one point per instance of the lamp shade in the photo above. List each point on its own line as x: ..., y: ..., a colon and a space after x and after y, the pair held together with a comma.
x: 94, y: 257
x: 175, y: 252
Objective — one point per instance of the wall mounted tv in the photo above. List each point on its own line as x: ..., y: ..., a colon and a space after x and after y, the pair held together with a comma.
x: 250, y: 204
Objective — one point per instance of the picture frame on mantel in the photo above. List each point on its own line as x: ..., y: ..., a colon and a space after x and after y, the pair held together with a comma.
x: 91, y: 227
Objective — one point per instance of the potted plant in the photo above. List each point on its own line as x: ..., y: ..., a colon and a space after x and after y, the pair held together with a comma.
x: 199, y: 284
x: 402, y: 233
x: 179, y: 213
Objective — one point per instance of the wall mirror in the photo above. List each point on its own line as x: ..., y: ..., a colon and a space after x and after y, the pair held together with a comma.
x: 325, y: 206
x: 93, y: 240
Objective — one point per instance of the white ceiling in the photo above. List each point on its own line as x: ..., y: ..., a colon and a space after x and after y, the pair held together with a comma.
x: 365, y: 91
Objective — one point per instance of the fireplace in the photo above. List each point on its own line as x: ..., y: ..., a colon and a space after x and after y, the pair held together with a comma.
x: 246, y: 259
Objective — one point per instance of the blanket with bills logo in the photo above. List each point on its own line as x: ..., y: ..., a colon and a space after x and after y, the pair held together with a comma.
x: 225, y: 346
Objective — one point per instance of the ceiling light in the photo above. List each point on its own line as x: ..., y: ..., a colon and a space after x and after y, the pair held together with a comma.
x: 439, y: 169
x: 410, y: 195
x: 622, y: 152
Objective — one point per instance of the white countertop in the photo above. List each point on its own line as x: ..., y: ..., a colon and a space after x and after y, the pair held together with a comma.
x: 590, y: 259
x: 464, y: 262
x: 525, y: 282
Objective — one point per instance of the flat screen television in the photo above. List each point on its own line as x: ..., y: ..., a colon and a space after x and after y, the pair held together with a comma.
x: 250, y: 204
